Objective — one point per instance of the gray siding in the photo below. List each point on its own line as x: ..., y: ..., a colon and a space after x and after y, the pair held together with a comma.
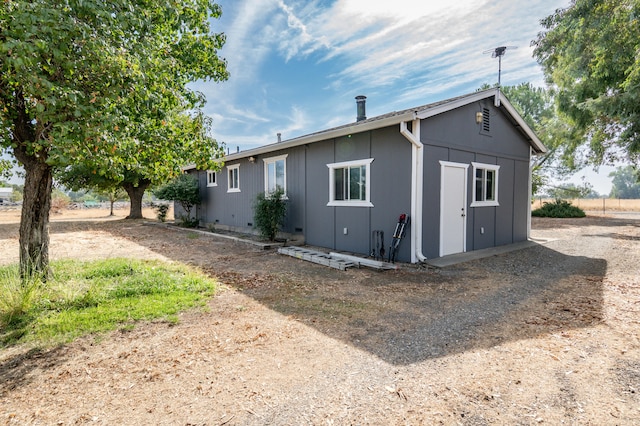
x: 389, y: 180
x: 320, y: 218
x: 235, y: 209
x: 455, y: 136
x: 451, y: 136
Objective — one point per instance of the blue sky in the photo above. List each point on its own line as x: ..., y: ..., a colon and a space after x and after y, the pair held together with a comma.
x: 296, y: 66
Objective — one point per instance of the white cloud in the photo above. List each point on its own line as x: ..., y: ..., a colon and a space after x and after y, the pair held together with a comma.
x: 296, y: 38
x: 406, y: 53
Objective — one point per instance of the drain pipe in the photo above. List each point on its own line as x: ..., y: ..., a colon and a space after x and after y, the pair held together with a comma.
x: 417, y: 156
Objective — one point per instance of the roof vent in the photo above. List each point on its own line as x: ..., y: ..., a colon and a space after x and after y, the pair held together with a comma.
x: 361, y: 107
x: 279, y: 135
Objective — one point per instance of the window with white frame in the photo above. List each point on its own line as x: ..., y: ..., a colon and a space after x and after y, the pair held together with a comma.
x: 485, y: 187
x: 275, y: 174
x: 212, y: 178
x: 233, y: 178
x: 349, y: 183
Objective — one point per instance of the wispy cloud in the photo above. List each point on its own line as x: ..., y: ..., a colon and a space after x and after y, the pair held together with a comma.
x: 295, y: 64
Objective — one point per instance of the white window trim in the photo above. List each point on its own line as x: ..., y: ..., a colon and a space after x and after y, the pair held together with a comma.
x: 229, y: 169
x: 489, y: 203
x: 273, y: 160
x: 215, y: 180
x: 350, y: 203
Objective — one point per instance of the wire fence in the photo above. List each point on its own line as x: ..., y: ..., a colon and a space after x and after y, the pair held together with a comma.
x: 602, y: 205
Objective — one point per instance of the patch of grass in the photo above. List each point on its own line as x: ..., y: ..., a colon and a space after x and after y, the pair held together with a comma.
x: 93, y: 297
x: 559, y: 208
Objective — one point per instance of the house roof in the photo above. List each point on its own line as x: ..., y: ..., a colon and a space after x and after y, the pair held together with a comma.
x: 396, y: 117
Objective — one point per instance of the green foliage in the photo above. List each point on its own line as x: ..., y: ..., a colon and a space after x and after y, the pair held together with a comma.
x: 90, y: 297
x: 626, y: 183
x: 589, y: 51
x: 185, y: 191
x: 571, y: 190
x: 189, y: 222
x: 269, y: 212
x: 104, y: 86
x: 560, y: 209
x: 161, y: 211
x: 17, y: 296
x: 5, y: 168
x: 537, y: 107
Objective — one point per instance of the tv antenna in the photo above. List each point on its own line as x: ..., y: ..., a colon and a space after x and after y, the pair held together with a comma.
x: 499, y: 52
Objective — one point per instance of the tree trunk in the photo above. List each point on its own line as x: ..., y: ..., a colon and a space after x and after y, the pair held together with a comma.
x: 111, y: 212
x: 36, y: 202
x: 135, y: 196
x: 34, y: 221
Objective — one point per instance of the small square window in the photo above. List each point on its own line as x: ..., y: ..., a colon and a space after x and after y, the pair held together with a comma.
x: 485, y: 188
x: 348, y: 183
x: 212, y: 178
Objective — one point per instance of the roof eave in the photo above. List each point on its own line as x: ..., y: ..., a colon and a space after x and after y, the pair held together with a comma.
x: 534, y: 141
x: 324, y: 135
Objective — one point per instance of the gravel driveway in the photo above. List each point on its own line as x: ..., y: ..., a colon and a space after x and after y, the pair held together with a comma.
x: 548, y: 334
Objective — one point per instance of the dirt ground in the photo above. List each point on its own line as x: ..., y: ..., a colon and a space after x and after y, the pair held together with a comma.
x: 544, y: 335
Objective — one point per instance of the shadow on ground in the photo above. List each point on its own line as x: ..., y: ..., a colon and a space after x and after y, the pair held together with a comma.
x: 411, y: 315
x: 404, y: 316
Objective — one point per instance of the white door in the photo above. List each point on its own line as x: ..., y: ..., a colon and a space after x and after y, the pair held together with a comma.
x: 453, y: 207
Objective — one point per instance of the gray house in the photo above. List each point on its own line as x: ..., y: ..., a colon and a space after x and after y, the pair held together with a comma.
x: 459, y: 168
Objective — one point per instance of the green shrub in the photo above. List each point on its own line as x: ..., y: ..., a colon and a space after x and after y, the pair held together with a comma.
x: 189, y: 222
x: 559, y: 208
x: 183, y: 190
x: 161, y: 211
x: 268, y: 213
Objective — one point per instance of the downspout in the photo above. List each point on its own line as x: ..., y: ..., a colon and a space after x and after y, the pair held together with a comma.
x: 530, y: 186
x: 417, y: 156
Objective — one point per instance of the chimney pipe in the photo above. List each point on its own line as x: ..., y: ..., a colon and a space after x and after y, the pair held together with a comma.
x: 361, y: 107
x: 279, y: 137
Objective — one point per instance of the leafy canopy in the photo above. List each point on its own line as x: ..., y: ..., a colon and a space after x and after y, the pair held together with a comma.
x: 589, y: 52
x: 626, y: 183
x: 104, y: 84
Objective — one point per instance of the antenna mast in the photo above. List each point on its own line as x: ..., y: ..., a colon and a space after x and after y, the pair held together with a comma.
x: 499, y: 52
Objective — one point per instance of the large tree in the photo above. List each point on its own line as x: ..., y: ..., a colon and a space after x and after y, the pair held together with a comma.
x: 95, y: 83
x: 626, y: 182
x: 589, y: 52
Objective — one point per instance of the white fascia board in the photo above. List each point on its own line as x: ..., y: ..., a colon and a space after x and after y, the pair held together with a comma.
x: 536, y: 143
x: 321, y: 136
x: 457, y: 103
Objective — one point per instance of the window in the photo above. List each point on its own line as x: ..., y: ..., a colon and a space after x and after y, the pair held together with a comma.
x: 212, y: 178
x: 348, y: 183
x: 233, y: 181
x: 275, y: 174
x: 485, y: 188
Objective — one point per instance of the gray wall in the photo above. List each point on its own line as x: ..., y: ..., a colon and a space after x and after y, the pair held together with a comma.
x: 452, y: 136
x: 235, y: 209
x: 390, y: 183
x: 455, y: 136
